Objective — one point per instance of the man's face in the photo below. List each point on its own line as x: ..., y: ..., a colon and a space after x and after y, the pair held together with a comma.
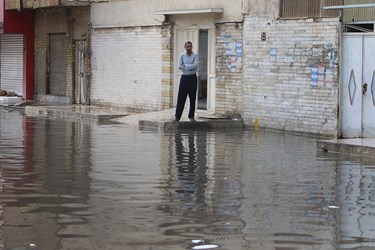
x: 188, y: 47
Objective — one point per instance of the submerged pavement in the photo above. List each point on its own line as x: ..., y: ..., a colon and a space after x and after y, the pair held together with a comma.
x: 160, y: 120
x: 164, y: 121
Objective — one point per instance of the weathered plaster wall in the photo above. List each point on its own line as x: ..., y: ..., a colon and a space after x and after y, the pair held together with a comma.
x: 142, y: 13
x: 291, y: 75
x: 131, y: 67
x: 261, y: 8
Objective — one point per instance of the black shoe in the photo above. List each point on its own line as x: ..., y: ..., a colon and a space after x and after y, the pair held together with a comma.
x: 176, y: 120
x: 192, y: 120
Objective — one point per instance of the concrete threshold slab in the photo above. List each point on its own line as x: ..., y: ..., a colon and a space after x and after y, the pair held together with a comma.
x: 201, y: 125
x: 357, y: 147
x: 9, y: 100
x: 78, y: 112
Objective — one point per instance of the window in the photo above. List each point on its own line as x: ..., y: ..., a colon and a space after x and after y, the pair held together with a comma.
x: 308, y: 8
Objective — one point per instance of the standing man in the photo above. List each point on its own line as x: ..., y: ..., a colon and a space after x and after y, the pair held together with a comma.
x: 188, y: 64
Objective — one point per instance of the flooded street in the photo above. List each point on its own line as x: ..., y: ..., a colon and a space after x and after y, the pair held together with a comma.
x: 68, y: 185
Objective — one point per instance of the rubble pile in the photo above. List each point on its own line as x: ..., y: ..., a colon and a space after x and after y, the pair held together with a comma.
x: 6, y: 93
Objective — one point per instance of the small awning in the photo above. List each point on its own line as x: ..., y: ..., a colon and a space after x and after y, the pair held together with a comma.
x: 189, y: 11
x: 350, y: 6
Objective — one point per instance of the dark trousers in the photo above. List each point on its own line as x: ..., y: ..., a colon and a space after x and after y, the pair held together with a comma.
x: 188, y: 86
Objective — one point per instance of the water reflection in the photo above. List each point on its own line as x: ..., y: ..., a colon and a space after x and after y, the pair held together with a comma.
x: 191, y: 172
x: 44, y: 189
x: 203, y: 200
x: 66, y: 185
x: 356, y: 196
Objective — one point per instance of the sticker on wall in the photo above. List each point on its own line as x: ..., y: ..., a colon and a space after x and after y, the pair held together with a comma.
x: 321, y: 74
x: 316, y: 52
x: 232, y: 51
x: 227, y: 39
x: 239, y: 48
x: 273, y: 54
x: 314, y: 77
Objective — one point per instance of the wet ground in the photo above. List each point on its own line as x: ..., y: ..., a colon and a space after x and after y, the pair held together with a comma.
x: 70, y: 185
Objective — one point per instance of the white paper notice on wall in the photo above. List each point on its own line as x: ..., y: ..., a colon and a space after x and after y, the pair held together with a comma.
x: 314, y: 77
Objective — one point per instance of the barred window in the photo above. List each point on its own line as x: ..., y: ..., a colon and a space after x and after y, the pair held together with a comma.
x: 308, y: 8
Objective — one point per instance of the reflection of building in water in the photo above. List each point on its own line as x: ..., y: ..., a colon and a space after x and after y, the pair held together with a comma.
x: 2, y: 236
x: 356, y: 213
x: 45, y: 164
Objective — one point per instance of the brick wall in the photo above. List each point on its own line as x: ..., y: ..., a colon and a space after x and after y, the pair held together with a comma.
x: 291, y: 74
x: 167, y: 67
x: 56, y: 21
x: 131, y: 67
x: 229, y: 68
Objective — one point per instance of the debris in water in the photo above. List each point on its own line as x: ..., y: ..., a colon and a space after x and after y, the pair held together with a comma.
x: 205, y: 247
x: 197, y: 241
x: 333, y: 207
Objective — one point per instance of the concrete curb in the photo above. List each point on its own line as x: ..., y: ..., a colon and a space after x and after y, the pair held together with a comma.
x: 350, y: 147
x: 208, y: 125
x: 72, y: 113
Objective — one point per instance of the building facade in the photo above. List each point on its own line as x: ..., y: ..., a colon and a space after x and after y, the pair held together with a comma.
x: 281, y: 65
x: 254, y: 62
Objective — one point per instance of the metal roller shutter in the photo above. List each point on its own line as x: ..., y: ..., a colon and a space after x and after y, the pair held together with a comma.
x: 11, y: 63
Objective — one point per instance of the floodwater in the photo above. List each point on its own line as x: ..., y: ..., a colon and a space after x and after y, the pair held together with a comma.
x: 68, y: 185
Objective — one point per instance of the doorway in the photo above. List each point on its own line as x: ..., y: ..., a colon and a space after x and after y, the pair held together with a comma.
x: 57, y: 65
x: 204, y: 42
x: 357, y: 92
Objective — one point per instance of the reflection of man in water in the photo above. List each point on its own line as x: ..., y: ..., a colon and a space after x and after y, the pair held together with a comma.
x: 191, y: 170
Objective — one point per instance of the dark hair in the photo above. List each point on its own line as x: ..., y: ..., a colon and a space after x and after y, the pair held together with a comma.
x: 188, y: 42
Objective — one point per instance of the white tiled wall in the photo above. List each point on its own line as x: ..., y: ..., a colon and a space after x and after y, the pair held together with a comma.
x: 126, y: 67
x: 277, y: 89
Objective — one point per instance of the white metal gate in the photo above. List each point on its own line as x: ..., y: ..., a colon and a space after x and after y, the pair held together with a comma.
x: 357, y: 92
x: 11, y: 63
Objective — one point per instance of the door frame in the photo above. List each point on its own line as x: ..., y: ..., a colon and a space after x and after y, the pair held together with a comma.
x: 80, y: 79
x: 192, y: 34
